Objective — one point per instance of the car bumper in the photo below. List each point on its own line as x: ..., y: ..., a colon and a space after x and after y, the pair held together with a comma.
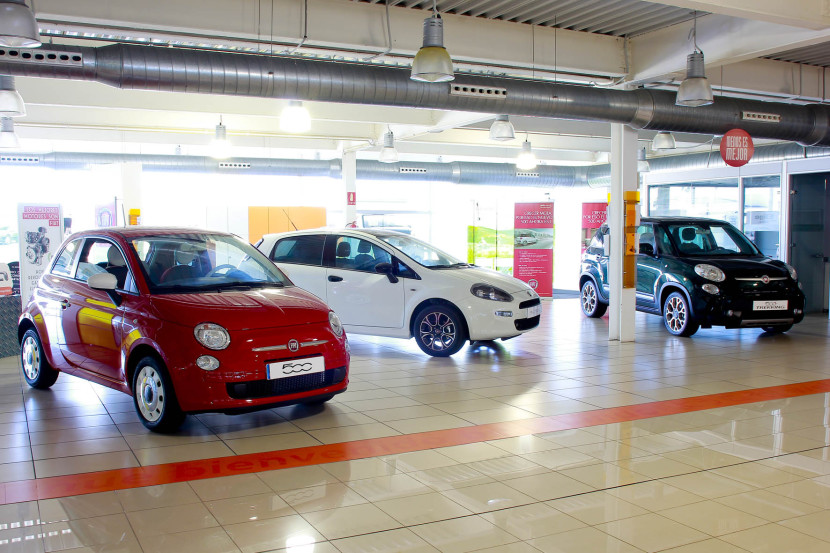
x: 490, y: 320
x: 740, y: 311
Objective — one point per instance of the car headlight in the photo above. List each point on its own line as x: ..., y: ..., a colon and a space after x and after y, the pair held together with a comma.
x: 212, y: 336
x: 793, y: 273
x: 336, y: 325
x: 710, y: 272
x: 488, y: 292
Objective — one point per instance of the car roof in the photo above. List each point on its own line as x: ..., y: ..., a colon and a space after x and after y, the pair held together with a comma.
x: 365, y: 232
x: 678, y: 219
x: 138, y: 231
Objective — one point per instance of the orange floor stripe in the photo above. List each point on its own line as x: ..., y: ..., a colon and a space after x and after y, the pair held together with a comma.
x: 79, y: 484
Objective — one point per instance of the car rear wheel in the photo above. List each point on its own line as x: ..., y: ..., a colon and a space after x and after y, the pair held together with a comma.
x: 779, y: 329
x: 36, y: 369
x: 677, y: 316
x: 589, y: 299
x: 439, y: 330
x: 154, y: 397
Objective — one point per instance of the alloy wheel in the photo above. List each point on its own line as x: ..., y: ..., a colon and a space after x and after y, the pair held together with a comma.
x: 150, y: 394
x: 676, y: 315
x: 589, y: 298
x: 438, y: 331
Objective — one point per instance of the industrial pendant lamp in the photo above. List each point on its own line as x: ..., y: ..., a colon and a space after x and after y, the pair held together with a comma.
x: 11, y: 103
x: 8, y: 139
x: 388, y: 154
x: 695, y: 91
x: 663, y: 141
x: 502, y: 129
x: 220, y: 146
x: 526, y: 160
x: 295, y: 118
x: 642, y: 163
x: 18, y: 26
x: 432, y: 63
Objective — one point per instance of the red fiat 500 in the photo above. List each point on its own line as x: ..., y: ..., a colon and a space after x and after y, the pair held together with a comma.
x: 185, y: 321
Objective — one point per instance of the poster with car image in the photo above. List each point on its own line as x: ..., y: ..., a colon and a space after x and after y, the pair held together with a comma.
x: 593, y: 215
x: 533, y: 246
x: 40, y: 233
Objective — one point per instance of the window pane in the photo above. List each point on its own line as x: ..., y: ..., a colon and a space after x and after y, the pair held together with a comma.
x: 305, y: 250
x: 64, y: 263
x: 762, y: 206
x: 361, y: 255
x: 716, y: 199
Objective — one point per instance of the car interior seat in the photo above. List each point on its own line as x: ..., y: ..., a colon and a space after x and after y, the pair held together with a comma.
x: 648, y: 238
x: 183, y: 270
x: 344, y: 250
x: 116, y: 265
x: 364, y: 260
x: 162, y: 260
x: 687, y: 237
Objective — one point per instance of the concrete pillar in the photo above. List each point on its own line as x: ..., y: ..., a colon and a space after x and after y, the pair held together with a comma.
x: 349, y: 186
x: 130, y: 192
x: 624, y: 178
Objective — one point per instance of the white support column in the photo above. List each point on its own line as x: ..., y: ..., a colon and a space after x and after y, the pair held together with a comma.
x: 624, y: 178
x: 349, y: 164
x: 130, y: 191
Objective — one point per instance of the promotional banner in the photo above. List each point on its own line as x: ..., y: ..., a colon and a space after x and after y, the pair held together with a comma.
x: 40, y: 234
x: 533, y: 246
x: 593, y: 215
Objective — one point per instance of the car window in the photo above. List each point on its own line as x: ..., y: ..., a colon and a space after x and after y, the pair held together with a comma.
x: 710, y: 238
x: 358, y: 254
x: 596, y: 247
x: 63, y: 265
x: 664, y: 246
x: 102, y: 256
x: 403, y: 270
x: 645, y: 235
x: 305, y: 250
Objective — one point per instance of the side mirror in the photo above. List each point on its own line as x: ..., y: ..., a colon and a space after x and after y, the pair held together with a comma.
x: 647, y: 249
x: 386, y: 269
x: 102, y: 281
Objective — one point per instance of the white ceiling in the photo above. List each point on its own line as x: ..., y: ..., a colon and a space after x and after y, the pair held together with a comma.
x: 595, y: 42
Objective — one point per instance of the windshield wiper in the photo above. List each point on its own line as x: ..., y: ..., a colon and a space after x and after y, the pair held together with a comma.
x: 242, y: 285
x: 453, y: 266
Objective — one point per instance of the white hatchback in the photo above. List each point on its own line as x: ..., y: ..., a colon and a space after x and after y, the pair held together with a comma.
x: 387, y: 283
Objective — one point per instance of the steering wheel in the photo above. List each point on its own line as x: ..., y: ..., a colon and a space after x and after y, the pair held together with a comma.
x: 218, y: 268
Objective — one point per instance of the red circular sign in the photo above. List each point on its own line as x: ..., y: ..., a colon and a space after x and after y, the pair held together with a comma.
x: 736, y: 148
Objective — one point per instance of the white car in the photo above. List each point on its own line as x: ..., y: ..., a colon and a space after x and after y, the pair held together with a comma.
x: 386, y: 283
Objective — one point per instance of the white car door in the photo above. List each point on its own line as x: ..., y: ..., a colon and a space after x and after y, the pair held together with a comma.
x: 356, y: 291
x: 301, y: 258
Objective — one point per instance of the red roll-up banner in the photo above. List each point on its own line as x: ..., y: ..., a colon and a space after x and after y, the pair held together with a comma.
x: 533, y: 246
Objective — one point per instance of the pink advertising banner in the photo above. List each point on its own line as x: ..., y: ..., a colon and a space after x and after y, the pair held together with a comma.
x: 593, y: 215
x: 533, y: 246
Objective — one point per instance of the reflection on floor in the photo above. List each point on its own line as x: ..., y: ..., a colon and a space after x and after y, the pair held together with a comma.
x: 752, y: 477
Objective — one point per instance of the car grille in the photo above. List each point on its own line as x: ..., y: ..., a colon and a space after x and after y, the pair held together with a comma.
x: 752, y: 287
x: 527, y: 324
x: 529, y: 303
x: 253, y: 389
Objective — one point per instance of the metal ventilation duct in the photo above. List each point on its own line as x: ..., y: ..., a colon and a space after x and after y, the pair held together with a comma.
x: 179, y: 70
x: 493, y: 174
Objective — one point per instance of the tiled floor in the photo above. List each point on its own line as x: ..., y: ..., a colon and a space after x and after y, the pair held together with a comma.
x: 750, y: 477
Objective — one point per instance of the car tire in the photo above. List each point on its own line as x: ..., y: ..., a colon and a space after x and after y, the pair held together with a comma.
x: 439, y: 330
x: 589, y: 300
x: 677, y: 316
x: 154, y: 397
x: 779, y: 329
x: 36, y: 368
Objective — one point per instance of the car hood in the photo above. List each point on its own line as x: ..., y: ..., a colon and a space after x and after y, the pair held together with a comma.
x: 248, y: 309
x: 474, y: 275
x: 742, y: 267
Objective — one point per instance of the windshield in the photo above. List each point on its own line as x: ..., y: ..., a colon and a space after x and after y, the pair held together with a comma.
x: 421, y: 252
x: 181, y: 263
x: 710, y: 239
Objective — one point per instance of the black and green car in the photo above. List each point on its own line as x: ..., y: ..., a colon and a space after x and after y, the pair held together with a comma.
x: 698, y: 272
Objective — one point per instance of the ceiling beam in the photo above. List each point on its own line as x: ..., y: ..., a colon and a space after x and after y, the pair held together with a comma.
x: 807, y: 14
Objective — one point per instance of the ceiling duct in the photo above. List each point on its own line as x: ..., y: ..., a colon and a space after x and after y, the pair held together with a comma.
x: 468, y: 173
x: 206, y: 72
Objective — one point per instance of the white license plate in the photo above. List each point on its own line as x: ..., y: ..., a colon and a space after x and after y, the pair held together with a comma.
x: 534, y: 311
x: 295, y: 367
x: 770, y: 305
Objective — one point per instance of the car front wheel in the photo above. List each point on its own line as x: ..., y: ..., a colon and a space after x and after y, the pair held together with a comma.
x: 439, y: 330
x: 154, y: 397
x: 589, y: 299
x: 36, y: 369
x: 677, y: 316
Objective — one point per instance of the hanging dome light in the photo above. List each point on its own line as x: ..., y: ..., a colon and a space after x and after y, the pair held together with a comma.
x: 295, y: 118
x: 695, y: 90
x: 642, y: 163
x: 18, y: 26
x: 8, y: 138
x: 663, y: 141
x: 388, y: 154
x: 220, y: 146
x: 11, y: 103
x: 432, y: 63
x: 526, y: 160
x: 502, y: 129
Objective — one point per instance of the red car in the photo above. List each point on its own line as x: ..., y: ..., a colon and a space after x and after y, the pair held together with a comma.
x: 185, y: 321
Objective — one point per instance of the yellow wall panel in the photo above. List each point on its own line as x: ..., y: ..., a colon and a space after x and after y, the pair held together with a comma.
x: 257, y: 223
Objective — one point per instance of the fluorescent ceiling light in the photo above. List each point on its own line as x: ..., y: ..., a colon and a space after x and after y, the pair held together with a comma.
x: 526, y: 160
x: 502, y: 129
x: 642, y: 163
x: 663, y: 141
x: 11, y: 103
x: 220, y: 146
x: 388, y: 154
x: 18, y: 26
x: 8, y: 139
x: 432, y: 63
x: 295, y: 118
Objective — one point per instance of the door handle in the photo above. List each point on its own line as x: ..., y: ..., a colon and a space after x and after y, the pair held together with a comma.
x: 333, y: 278
x: 64, y: 304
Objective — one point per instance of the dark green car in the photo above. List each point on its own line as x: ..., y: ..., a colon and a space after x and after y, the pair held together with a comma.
x: 698, y: 272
